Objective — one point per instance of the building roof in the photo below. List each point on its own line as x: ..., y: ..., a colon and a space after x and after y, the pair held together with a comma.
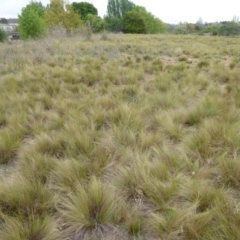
x: 12, y: 20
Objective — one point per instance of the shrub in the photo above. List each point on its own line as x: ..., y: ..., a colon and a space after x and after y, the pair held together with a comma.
x: 114, y: 24
x: 211, y: 29
x: 3, y: 35
x: 97, y: 23
x: 190, y: 27
x: 203, y: 63
x: 133, y: 22
x: 229, y: 28
x: 181, y: 29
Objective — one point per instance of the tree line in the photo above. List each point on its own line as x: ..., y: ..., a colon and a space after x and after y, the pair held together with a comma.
x: 225, y: 28
x: 122, y: 16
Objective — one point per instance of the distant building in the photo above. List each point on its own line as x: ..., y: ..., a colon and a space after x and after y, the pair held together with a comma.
x: 9, y: 25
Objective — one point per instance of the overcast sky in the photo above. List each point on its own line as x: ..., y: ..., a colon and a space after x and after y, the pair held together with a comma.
x: 169, y: 11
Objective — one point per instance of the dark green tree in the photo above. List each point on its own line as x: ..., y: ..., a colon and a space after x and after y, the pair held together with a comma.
x: 133, y: 22
x: 83, y: 9
x: 116, y: 9
x: 31, y: 22
x: 114, y: 24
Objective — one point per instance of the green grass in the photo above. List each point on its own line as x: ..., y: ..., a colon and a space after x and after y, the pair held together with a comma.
x: 121, y: 137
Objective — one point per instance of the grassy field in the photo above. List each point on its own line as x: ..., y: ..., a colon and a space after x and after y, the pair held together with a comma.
x: 120, y: 137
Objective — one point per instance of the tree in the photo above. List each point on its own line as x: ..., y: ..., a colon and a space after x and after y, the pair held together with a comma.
x: 83, y: 9
x: 97, y: 23
x: 190, y: 27
x: 59, y: 13
x: 37, y: 7
x: 117, y: 8
x: 31, y: 22
x: 114, y: 24
x: 159, y: 26
x: 199, y: 24
x: 153, y: 24
x: 133, y: 22
x: 235, y: 19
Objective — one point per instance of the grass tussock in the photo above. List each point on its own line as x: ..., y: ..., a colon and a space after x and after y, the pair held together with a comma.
x: 110, y: 137
x: 91, y: 210
x: 31, y: 228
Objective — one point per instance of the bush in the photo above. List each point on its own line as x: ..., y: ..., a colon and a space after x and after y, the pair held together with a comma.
x: 190, y: 27
x: 211, y: 29
x: 133, y: 22
x: 229, y: 28
x: 181, y: 29
x: 97, y: 23
x: 114, y: 24
x: 3, y: 35
x: 224, y: 29
x: 83, y: 9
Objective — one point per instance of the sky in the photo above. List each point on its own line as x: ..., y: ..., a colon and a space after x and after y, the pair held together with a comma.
x: 169, y: 11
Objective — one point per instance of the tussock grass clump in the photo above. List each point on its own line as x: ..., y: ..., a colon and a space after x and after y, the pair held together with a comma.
x: 229, y: 170
x: 178, y: 224
x: 169, y: 127
x: 120, y: 139
x: 93, y: 209
x: 36, y: 167
x: 203, y: 63
x: 32, y: 228
x: 49, y: 145
x: 213, y: 139
x: 210, y: 107
x: 9, y: 143
x: 25, y: 200
x: 67, y: 175
x: 182, y: 59
x: 134, y: 222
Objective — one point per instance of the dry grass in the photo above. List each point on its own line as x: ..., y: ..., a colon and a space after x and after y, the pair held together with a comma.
x: 121, y: 137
